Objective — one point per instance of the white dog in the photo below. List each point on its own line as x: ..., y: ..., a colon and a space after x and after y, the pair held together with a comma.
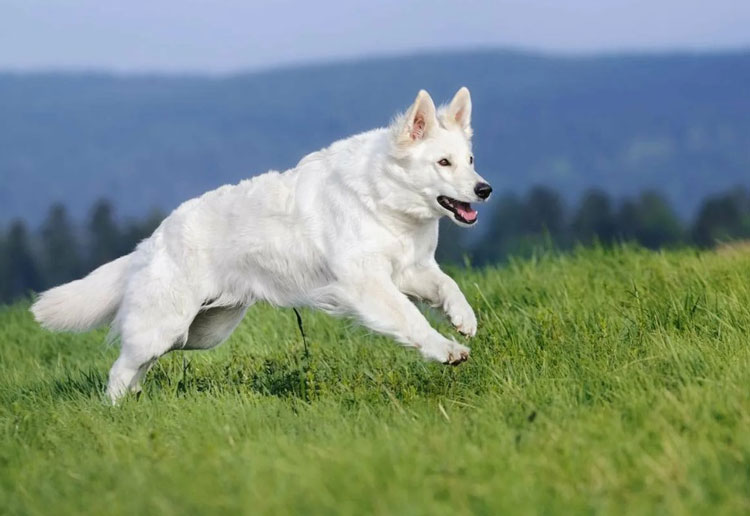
x: 352, y: 230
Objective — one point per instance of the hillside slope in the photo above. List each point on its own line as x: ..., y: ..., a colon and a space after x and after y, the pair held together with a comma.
x: 611, y: 381
x: 678, y: 123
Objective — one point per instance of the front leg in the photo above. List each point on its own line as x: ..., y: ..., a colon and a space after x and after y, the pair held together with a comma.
x: 380, y: 306
x: 429, y: 283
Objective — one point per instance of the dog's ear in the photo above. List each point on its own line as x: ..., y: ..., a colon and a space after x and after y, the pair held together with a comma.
x: 459, y: 111
x: 420, y: 119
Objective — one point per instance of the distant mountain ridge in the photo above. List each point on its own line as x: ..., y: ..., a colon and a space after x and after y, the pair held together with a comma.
x: 678, y: 123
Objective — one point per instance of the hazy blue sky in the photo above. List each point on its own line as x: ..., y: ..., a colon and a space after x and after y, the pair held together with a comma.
x: 228, y: 35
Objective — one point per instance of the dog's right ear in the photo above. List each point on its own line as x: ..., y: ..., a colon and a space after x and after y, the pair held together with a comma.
x: 419, y: 120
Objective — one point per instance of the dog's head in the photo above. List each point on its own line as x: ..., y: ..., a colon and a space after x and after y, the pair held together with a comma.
x: 433, y: 150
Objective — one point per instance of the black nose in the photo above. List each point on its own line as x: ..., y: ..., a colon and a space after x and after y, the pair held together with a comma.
x: 483, y: 190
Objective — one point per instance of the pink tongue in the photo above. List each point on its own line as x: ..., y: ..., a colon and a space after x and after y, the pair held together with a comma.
x: 467, y: 214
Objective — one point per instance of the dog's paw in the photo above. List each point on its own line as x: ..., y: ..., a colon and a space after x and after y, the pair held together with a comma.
x: 457, y: 355
x: 462, y: 317
x: 447, y: 352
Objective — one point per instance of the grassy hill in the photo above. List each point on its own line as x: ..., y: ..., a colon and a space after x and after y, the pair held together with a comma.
x: 605, y: 381
x: 679, y: 123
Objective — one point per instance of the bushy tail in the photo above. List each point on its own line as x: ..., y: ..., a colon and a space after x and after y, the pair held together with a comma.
x: 86, y: 303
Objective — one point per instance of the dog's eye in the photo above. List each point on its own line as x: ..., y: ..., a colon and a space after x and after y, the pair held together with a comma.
x: 444, y: 163
x: 471, y: 160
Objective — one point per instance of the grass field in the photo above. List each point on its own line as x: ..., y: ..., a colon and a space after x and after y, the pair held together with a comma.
x: 603, y: 381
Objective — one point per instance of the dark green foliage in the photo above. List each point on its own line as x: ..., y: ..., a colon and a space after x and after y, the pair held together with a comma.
x: 60, y: 251
x: 20, y: 273
x: 543, y: 212
x: 594, y: 219
x: 105, y: 239
x: 453, y: 243
x: 137, y: 230
x: 56, y: 255
x: 650, y: 221
x: 504, y: 231
x: 523, y: 227
x: 722, y: 218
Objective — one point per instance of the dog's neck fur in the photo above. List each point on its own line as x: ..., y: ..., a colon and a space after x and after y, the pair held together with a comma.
x: 382, y: 184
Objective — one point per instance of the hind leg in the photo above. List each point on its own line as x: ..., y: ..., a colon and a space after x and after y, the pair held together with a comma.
x: 144, y: 339
x: 136, y: 358
x: 136, y: 388
x: 125, y: 376
x: 142, y: 346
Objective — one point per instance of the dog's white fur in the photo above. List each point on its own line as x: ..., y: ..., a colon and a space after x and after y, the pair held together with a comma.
x: 352, y: 230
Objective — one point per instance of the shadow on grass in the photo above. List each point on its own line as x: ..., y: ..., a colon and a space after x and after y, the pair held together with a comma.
x: 292, y: 376
x: 280, y: 377
x: 272, y: 377
x: 283, y: 379
x: 308, y: 379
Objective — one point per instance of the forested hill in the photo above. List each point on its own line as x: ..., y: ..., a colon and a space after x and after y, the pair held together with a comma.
x: 677, y: 123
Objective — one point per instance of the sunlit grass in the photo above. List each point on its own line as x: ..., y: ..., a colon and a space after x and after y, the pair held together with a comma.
x: 603, y: 381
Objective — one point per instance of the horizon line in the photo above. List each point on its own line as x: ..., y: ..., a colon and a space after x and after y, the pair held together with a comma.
x: 520, y: 51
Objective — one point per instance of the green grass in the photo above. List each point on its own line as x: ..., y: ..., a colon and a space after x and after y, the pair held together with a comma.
x: 603, y: 381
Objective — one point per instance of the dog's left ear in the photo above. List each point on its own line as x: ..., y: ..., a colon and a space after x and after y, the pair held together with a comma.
x: 459, y: 112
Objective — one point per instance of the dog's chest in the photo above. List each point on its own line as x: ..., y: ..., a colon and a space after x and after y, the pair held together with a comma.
x: 412, y: 248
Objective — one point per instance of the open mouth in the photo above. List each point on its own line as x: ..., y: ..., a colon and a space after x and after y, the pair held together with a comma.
x: 462, y: 211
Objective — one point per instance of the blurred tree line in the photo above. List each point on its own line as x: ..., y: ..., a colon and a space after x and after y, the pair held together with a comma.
x: 519, y: 225
x: 60, y: 251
